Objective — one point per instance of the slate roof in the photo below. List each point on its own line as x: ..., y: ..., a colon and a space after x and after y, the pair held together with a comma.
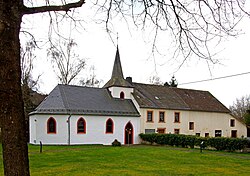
x: 85, y: 101
x: 163, y: 97
x: 117, y: 78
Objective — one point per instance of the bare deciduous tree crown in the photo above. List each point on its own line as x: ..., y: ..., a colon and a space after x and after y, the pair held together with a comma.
x: 240, y: 106
x: 66, y: 62
x: 192, y: 24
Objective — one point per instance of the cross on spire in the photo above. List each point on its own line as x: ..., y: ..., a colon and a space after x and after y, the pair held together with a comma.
x: 117, y: 38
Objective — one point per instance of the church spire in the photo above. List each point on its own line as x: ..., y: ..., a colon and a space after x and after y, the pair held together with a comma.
x: 117, y: 78
x: 117, y: 68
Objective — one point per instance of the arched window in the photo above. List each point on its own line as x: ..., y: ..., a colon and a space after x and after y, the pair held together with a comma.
x: 51, y: 125
x: 122, y: 95
x: 109, y: 126
x: 81, y: 126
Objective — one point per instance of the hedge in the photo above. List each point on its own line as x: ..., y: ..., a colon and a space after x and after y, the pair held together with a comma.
x: 229, y: 144
x: 219, y: 143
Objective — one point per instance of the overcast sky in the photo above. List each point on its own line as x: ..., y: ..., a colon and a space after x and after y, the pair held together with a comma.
x: 137, y: 61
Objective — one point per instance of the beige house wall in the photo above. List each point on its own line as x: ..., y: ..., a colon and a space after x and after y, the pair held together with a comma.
x: 204, y: 122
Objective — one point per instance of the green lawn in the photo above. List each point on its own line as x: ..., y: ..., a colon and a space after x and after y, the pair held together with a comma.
x: 134, y: 160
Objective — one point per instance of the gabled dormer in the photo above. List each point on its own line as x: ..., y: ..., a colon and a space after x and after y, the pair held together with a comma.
x: 117, y: 85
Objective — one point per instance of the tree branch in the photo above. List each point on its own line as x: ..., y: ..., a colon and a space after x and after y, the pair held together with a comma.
x: 65, y: 7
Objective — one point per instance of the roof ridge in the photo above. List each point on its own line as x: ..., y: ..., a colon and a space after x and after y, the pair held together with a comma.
x: 201, y: 91
x: 64, y: 97
x: 190, y: 89
x: 170, y: 87
x: 219, y: 101
x: 46, y: 98
x: 67, y: 85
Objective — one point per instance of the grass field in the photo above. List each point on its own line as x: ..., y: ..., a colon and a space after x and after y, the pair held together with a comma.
x: 134, y: 160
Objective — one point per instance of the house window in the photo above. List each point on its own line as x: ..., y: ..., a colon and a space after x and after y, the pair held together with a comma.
x: 176, y: 131
x: 191, y: 125
x: 206, y: 134
x: 234, y: 133
x: 162, y: 116
x: 81, y: 126
x: 109, y: 126
x: 232, y: 122
x: 122, y: 95
x: 149, y: 116
x: 149, y: 131
x: 161, y: 130
x: 218, y: 133
x: 51, y: 125
x: 176, y: 117
x: 198, y: 134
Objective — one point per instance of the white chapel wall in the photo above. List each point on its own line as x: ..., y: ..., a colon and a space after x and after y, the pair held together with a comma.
x: 95, y: 130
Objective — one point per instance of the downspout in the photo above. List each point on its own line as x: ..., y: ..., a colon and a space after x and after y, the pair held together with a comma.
x: 69, y: 129
x: 68, y: 112
x: 35, y: 126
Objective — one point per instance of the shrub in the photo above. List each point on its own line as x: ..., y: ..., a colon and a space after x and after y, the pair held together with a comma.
x: 116, y: 143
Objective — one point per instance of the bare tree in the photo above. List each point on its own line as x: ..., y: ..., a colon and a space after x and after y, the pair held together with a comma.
x: 15, y: 150
x: 194, y: 26
x: 28, y: 83
x: 90, y: 80
x: 27, y: 64
x: 247, y: 119
x: 67, y: 64
x: 155, y: 79
x: 240, y: 107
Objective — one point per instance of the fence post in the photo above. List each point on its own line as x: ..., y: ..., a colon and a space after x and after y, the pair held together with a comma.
x: 41, y: 147
x: 201, y: 146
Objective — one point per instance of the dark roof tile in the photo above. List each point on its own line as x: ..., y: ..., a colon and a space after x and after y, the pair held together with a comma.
x: 163, y: 97
x: 85, y: 100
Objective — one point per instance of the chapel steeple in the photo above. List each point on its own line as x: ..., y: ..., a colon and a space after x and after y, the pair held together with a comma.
x: 117, y: 78
x: 117, y: 68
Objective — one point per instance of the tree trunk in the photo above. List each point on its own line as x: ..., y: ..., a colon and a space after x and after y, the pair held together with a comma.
x: 15, y: 150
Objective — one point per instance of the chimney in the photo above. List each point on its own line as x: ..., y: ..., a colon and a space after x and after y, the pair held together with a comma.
x: 129, y: 79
